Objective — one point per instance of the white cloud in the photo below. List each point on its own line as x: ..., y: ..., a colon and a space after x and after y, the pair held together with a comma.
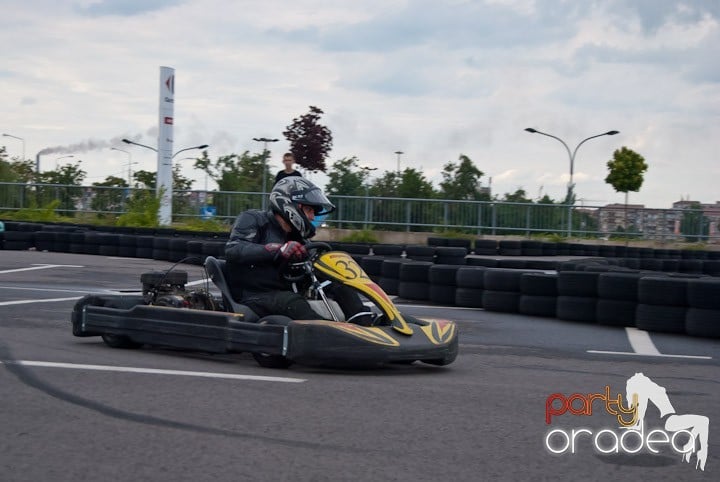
x: 431, y: 78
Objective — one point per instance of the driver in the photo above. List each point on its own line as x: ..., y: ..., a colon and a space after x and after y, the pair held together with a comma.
x: 261, y: 240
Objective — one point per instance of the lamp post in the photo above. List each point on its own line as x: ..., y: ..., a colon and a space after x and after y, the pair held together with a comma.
x: 20, y: 139
x: 165, y: 216
x: 571, y: 154
x: 399, y: 153
x: 61, y: 157
x: 130, y: 163
x: 265, y: 141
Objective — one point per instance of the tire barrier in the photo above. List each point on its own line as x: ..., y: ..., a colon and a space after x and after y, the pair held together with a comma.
x: 450, y: 255
x: 372, y: 265
x: 617, y: 298
x: 390, y: 274
x: 509, y: 248
x: 388, y: 250
x: 442, y: 279
x: 414, y: 283
x: 531, y: 248
x: 420, y: 252
x: 538, y: 294
x: 502, y: 290
x: 577, y: 295
x: 703, y: 315
x: 662, y: 304
x: 659, y: 290
x: 486, y: 247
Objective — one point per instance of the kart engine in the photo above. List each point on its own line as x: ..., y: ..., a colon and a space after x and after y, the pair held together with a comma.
x: 167, y: 288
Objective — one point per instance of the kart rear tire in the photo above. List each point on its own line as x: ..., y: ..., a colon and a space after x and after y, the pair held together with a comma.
x: 120, y: 341
x: 273, y: 361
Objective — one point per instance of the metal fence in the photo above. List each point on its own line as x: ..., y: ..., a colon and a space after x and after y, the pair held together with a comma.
x: 394, y: 214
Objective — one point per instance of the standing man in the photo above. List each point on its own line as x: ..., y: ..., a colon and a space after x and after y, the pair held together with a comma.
x: 288, y: 162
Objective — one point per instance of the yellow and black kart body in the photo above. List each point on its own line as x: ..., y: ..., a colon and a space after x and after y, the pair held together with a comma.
x: 166, y: 314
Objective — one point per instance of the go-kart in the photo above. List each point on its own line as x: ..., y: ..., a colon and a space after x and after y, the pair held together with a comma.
x: 167, y: 313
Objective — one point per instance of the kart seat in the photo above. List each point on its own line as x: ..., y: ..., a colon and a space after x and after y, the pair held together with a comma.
x: 216, y: 271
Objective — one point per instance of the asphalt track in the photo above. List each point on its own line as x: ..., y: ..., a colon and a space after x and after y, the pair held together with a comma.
x: 73, y: 409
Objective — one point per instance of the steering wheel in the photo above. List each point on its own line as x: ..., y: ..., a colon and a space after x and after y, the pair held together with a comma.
x: 316, y: 248
x: 296, y: 271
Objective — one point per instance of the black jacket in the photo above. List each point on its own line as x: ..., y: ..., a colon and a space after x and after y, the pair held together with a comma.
x: 250, y: 267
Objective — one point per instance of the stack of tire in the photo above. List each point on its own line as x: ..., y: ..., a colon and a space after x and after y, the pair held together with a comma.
x: 372, y: 265
x: 469, y: 282
x: 662, y: 304
x: 450, y: 255
x: 390, y: 274
x: 419, y: 252
x: 703, y: 314
x: 577, y: 295
x: 486, y: 247
x: 617, y: 298
x: 531, y: 248
x: 388, y: 250
x: 442, y: 278
x: 414, y: 280
x: 20, y: 236
x: 508, y: 247
x: 538, y: 294
x: 502, y: 290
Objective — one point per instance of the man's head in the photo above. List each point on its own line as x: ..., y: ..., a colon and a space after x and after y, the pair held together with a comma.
x: 288, y: 160
x: 297, y: 201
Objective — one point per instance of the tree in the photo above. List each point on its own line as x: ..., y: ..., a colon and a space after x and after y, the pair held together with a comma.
x: 519, y: 196
x: 462, y: 181
x: 347, y: 178
x: 626, y: 172
x: 310, y: 142
x: 414, y: 185
x: 110, y: 195
x: 694, y: 224
x: 149, y: 179
x: 238, y: 173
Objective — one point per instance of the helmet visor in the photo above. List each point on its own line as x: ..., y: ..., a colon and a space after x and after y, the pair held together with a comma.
x: 319, y: 202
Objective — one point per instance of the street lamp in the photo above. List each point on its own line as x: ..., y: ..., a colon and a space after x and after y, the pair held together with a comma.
x: 128, y: 141
x: 571, y: 154
x: 130, y: 163
x: 61, y: 157
x: 203, y: 146
x: 20, y: 139
x: 265, y: 141
x: 399, y: 153
x: 165, y: 211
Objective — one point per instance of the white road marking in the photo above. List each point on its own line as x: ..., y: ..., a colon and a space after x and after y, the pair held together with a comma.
x: 603, y: 352
x: 49, y: 300
x: 153, y: 371
x: 643, y: 346
x: 41, y: 266
x: 640, y: 341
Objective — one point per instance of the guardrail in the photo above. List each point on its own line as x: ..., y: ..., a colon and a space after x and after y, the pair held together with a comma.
x: 397, y: 214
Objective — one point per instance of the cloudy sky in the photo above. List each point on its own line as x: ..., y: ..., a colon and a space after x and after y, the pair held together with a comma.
x: 432, y: 78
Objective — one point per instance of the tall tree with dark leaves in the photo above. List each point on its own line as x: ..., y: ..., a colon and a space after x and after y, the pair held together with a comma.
x: 310, y: 142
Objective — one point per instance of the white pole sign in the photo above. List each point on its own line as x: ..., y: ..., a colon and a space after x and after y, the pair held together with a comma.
x: 165, y: 143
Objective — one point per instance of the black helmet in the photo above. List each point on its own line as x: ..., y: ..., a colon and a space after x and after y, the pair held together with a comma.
x: 291, y: 191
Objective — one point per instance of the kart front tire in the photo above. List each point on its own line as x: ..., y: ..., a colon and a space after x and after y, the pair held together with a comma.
x: 119, y: 341
x: 273, y: 361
